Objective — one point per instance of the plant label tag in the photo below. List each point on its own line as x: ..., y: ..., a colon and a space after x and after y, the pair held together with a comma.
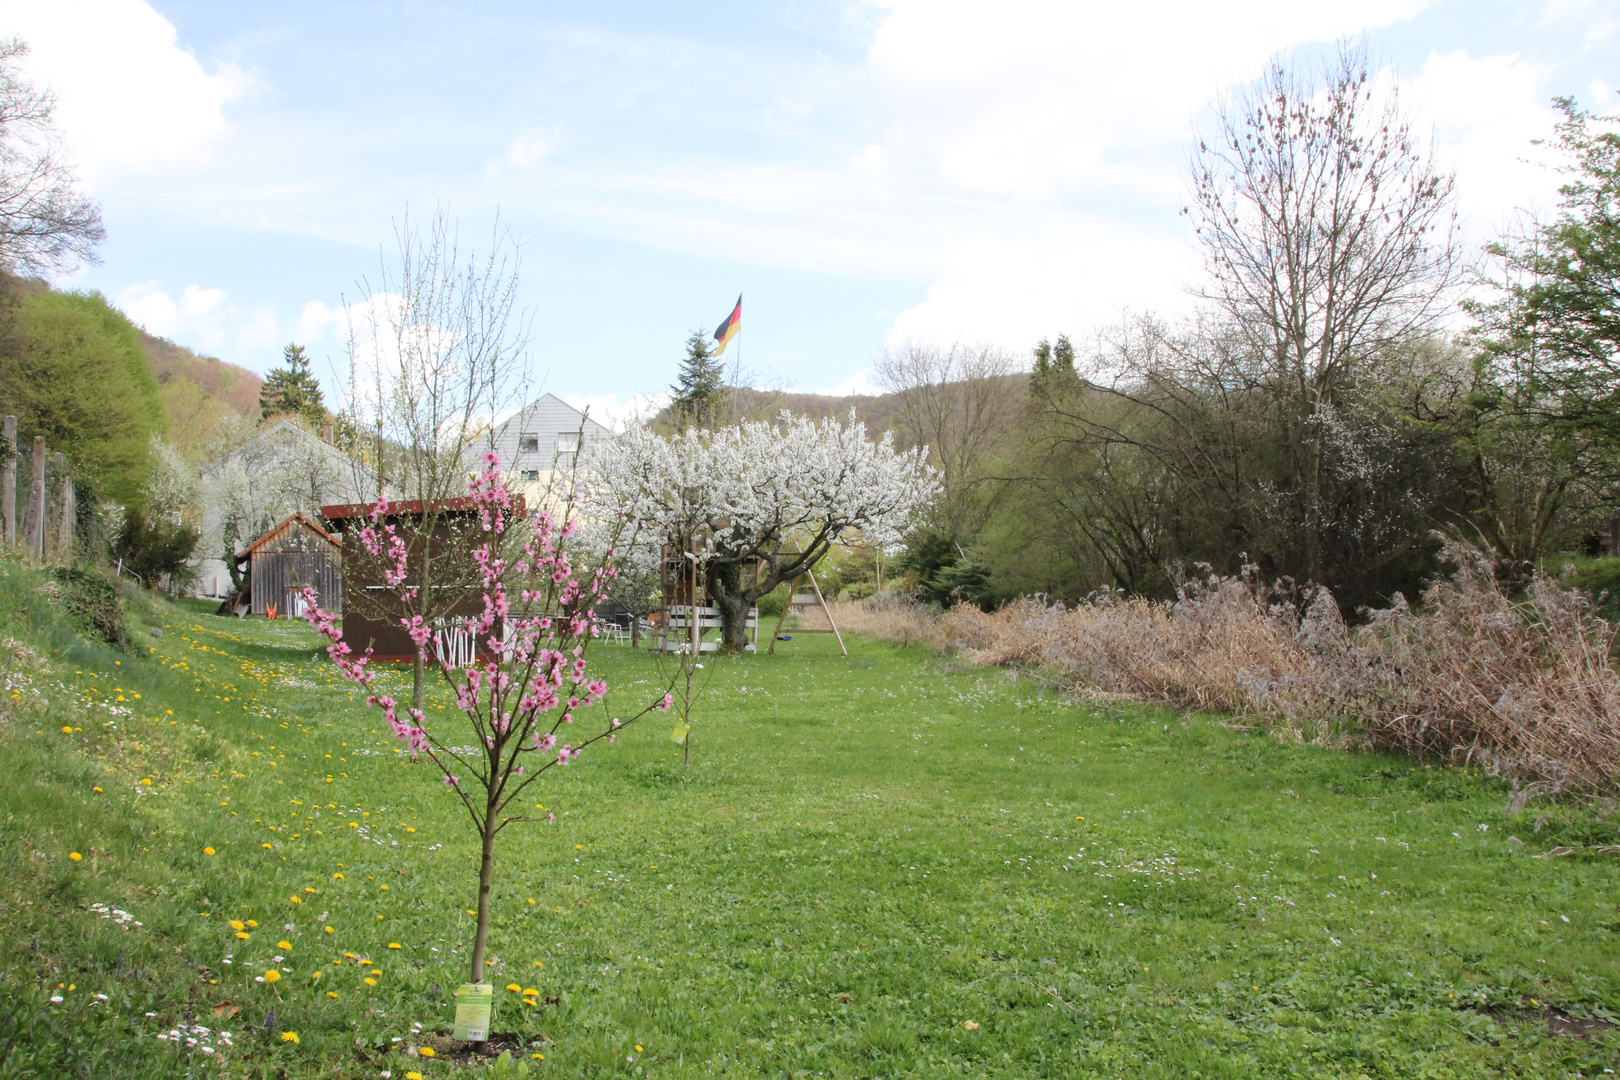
x: 474, y: 1003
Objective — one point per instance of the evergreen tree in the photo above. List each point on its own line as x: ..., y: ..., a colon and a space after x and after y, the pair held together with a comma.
x: 698, y: 386
x: 292, y: 389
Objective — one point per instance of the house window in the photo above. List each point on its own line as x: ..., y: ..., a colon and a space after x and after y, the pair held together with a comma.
x: 568, y: 442
x: 528, y: 441
x: 531, y: 474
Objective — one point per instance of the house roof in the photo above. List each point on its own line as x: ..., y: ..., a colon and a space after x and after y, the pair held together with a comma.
x: 349, y: 511
x: 270, y: 536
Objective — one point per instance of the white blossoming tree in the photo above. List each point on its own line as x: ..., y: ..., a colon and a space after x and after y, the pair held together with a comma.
x: 776, y: 495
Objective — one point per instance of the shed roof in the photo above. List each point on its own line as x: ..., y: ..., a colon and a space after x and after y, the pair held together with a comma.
x: 272, y: 535
x: 463, y: 505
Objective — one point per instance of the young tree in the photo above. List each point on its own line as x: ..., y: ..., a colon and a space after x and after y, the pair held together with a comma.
x: 434, y: 353
x: 1328, y: 238
x: 292, y: 389
x: 699, y: 386
x: 46, y: 225
x: 530, y: 678
x: 771, y: 498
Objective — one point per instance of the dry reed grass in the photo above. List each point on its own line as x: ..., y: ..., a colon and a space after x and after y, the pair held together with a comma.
x: 1525, y: 689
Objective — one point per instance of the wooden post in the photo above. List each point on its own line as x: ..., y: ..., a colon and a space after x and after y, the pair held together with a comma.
x: 36, y: 502
x: 827, y: 611
x: 8, y: 483
x: 69, y: 520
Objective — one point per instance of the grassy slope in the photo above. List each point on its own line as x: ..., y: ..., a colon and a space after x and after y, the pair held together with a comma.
x: 866, y: 855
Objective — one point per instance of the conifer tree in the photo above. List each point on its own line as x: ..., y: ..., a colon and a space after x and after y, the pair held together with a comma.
x: 292, y: 389
x: 698, y: 386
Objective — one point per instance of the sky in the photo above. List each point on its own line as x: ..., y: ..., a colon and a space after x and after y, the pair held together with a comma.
x: 865, y: 173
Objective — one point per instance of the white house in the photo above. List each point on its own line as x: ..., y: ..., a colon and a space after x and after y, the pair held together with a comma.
x: 540, y: 439
x: 281, y: 471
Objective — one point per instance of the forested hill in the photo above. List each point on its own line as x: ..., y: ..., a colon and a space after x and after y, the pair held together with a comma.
x: 75, y: 371
x: 235, y: 386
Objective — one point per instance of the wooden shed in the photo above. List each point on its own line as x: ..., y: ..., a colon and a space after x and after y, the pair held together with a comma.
x: 294, y: 555
x: 372, y: 612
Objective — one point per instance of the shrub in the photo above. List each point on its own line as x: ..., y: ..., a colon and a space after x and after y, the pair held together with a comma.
x: 1524, y: 688
x: 92, y: 601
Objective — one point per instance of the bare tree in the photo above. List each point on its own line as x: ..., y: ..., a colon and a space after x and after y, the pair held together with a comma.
x: 46, y: 225
x: 1328, y: 233
x: 434, y: 353
x: 960, y: 402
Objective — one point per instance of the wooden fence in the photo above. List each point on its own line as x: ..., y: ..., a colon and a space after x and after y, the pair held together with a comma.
x: 50, y: 517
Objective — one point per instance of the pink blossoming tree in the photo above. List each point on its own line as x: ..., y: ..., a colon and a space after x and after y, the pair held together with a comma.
x: 528, y: 681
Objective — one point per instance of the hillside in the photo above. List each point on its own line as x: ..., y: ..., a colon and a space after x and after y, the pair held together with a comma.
x: 235, y: 386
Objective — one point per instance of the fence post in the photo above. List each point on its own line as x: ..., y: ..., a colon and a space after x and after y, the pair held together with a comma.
x: 8, y: 483
x: 36, y: 502
x: 68, y: 519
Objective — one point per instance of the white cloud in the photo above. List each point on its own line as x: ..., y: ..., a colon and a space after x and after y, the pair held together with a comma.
x: 608, y: 410
x: 1485, y: 111
x: 129, y: 96
x: 858, y: 383
x: 203, y: 319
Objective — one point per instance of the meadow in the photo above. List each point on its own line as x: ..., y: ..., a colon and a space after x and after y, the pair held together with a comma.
x: 217, y: 863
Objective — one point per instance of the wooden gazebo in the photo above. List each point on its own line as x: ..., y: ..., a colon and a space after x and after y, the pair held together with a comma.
x: 288, y: 558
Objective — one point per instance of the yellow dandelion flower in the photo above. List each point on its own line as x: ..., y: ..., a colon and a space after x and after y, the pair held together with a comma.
x: 393, y: 945
x: 338, y: 876
x: 369, y: 981
x: 329, y: 930
x: 315, y: 975
x: 251, y: 924
x: 237, y: 924
x: 514, y: 987
x: 331, y: 993
x: 296, y: 899
x: 67, y: 731
x: 243, y: 934
x: 265, y: 846
x: 283, y: 944
x: 289, y: 1036
x: 208, y: 851
x: 427, y: 1051
x: 75, y: 856
x: 413, y: 1076
x: 272, y: 976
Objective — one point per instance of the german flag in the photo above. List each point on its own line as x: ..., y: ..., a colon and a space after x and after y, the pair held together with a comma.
x: 728, y: 329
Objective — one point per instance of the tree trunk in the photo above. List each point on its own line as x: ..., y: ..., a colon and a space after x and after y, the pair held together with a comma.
x: 486, y: 870
x: 732, y: 601
x: 418, y: 680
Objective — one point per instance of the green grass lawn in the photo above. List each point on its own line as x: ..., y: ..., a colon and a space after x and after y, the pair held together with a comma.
x: 878, y: 866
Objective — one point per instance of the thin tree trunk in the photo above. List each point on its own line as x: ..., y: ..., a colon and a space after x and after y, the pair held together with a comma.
x: 486, y: 870
x: 418, y: 680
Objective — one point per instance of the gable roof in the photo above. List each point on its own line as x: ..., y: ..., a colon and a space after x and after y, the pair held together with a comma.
x: 272, y: 535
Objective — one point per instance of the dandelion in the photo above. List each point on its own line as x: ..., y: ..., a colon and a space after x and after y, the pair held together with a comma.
x: 338, y: 876
x: 296, y: 899
x: 331, y: 994
x: 250, y: 923
x: 393, y: 945
x: 315, y: 975
x: 237, y: 924
x: 427, y: 1051
x: 272, y: 976
x: 243, y: 934
x: 369, y: 981
x: 328, y: 929
x: 75, y: 856
x: 290, y: 1036
x: 208, y: 851
x: 413, y: 1076
x: 284, y: 945
x: 514, y: 987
